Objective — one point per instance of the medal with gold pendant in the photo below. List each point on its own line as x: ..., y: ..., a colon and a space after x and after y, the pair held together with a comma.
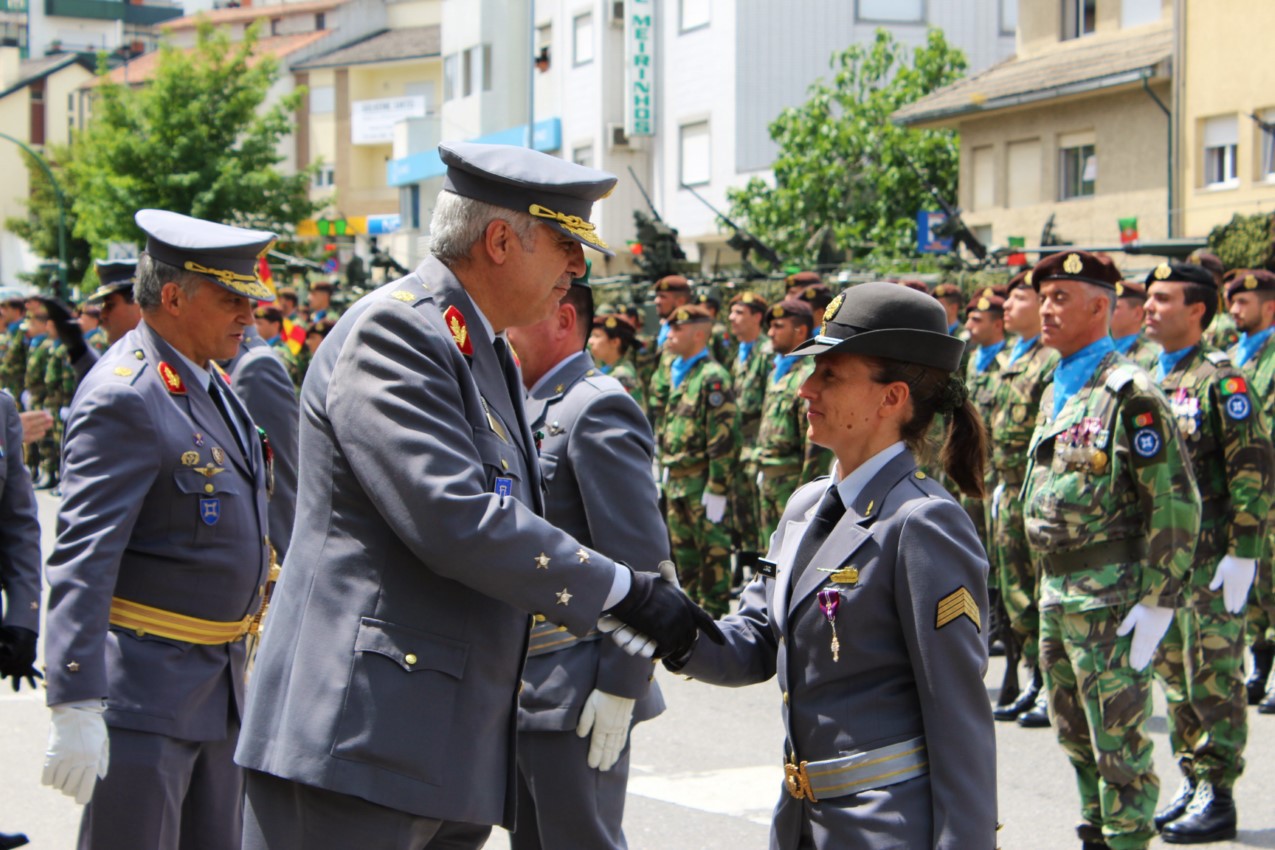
x: 829, y: 601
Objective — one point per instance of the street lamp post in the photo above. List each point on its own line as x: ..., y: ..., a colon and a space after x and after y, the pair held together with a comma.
x: 57, y: 194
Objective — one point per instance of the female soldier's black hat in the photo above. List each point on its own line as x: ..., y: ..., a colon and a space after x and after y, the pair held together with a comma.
x: 887, y: 320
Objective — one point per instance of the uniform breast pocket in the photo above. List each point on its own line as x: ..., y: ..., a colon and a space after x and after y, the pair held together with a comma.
x: 203, y: 498
x: 548, y: 466
x: 400, y: 700
x: 501, y: 463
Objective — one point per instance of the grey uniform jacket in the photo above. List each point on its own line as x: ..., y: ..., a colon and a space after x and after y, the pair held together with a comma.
x: 902, y: 672
x: 596, y: 462
x: 261, y: 381
x: 146, y: 517
x: 390, y: 664
x: 19, y: 526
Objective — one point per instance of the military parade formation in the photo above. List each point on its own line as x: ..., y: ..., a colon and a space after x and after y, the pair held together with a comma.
x: 391, y: 578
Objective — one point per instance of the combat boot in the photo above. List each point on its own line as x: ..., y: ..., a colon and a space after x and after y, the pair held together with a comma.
x: 1038, y: 717
x: 1094, y: 845
x: 1255, y: 685
x: 1025, y: 700
x: 1177, y: 806
x: 1209, y: 817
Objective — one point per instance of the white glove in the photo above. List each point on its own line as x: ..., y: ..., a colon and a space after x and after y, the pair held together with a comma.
x: 761, y: 476
x: 79, y: 752
x: 1148, y: 624
x: 996, y: 500
x: 1234, y: 576
x: 608, y: 717
x: 714, y: 506
x: 628, y: 638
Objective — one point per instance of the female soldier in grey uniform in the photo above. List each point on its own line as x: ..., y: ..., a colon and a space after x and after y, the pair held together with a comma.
x: 872, y: 607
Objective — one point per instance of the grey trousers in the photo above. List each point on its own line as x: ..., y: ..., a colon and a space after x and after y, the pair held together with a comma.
x: 563, y: 804
x: 284, y: 815
x: 162, y: 793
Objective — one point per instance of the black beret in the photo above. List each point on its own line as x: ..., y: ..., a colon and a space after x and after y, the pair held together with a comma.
x: 1132, y: 290
x: 887, y: 320
x: 1181, y: 273
x: 614, y: 327
x: 751, y: 300
x: 690, y: 314
x: 552, y: 190
x: 1023, y: 279
x: 792, y: 308
x: 1249, y: 280
x: 1076, y: 265
x: 672, y: 283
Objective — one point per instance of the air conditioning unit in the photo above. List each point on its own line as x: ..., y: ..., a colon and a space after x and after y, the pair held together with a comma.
x: 617, y: 139
x: 616, y: 17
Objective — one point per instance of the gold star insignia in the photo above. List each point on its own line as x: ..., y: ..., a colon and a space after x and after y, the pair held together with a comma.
x: 582, y: 555
x: 564, y: 596
x: 559, y: 388
x: 73, y: 666
x: 542, y: 561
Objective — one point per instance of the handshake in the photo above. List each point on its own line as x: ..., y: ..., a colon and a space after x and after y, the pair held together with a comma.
x: 656, y: 619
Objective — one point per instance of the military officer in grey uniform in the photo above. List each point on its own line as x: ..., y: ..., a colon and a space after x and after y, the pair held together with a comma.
x: 581, y: 696
x: 114, y: 295
x: 262, y: 382
x: 383, y: 705
x: 871, y: 612
x: 161, y: 559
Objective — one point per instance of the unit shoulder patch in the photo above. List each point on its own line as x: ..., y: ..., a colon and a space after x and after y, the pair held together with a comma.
x: 1120, y: 378
x: 959, y: 603
x: 1218, y: 358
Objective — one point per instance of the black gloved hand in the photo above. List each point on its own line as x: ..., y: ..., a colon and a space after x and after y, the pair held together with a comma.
x: 660, y: 610
x: 69, y: 330
x: 17, y: 656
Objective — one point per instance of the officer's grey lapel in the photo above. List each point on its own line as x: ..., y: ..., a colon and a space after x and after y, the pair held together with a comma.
x: 555, y: 388
x: 853, y: 530
x: 194, y: 398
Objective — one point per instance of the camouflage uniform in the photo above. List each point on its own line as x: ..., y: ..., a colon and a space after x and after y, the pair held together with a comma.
x: 981, y: 387
x: 39, y: 349
x: 1221, y: 333
x: 1260, y: 371
x: 721, y: 345
x: 13, y: 374
x: 97, y: 340
x: 281, y: 350
x: 625, y: 372
x: 59, y: 388
x: 1200, y: 661
x: 748, y: 381
x: 1143, y: 351
x: 1015, y: 405
x: 785, y: 457
x: 697, y: 446
x: 1112, y: 514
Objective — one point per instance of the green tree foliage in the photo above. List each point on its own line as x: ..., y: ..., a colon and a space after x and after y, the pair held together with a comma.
x: 197, y: 138
x: 39, y: 227
x: 1245, y: 242
x: 843, y: 163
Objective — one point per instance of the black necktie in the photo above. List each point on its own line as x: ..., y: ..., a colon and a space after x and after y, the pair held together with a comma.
x: 214, y: 393
x: 512, y: 381
x: 830, y: 511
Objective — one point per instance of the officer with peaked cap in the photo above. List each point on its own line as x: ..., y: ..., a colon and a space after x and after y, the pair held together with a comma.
x: 1112, y: 514
x: 872, y: 608
x: 162, y: 555
x: 383, y: 702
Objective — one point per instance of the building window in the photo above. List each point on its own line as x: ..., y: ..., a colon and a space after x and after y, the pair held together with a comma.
x: 450, y: 69
x: 695, y: 14
x: 409, y: 206
x: 583, y: 155
x: 1022, y: 173
x: 1078, y: 18
x: 325, y: 176
x: 895, y: 11
x: 696, y: 159
x: 467, y: 73
x: 1009, y: 17
x: 1077, y: 171
x: 984, y: 178
x: 582, y: 39
x: 1221, y: 140
x: 1135, y: 13
x: 320, y: 21
x: 275, y: 25
x: 486, y: 66
x: 1266, y: 144
x: 322, y: 100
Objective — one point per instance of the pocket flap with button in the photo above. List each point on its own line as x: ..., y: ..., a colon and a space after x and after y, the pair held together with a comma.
x: 412, y: 649
x: 495, y: 453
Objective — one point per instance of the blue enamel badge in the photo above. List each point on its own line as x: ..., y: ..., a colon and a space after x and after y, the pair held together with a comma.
x: 1146, y: 443
x: 1238, y: 406
x: 504, y: 486
x: 210, y: 511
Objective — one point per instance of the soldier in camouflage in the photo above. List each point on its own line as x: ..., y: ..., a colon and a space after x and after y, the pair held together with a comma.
x: 13, y: 372
x: 1027, y: 371
x: 1112, y: 514
x: 60, y: 382
x: 720, y: 344
x: 985, y: 325
x: 1221, y: 333
x: 94, y: 334
x: 697, y: 447
x: 786, y: 458
x: 39, y: 349
x: 671, y: 292
x: 1126, y: 325
x: 818, y: 296
x: 12, y: 311
x: 749, y: 369
x: 270, y: 329
x: 611, y: 342
x: 1200, y: 661
x: 1251, y: 295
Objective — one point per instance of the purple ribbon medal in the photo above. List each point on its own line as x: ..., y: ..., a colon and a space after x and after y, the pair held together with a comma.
x: 829, y: 600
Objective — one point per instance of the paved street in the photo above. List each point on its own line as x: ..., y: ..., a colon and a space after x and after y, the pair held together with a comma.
x: 705, y: 775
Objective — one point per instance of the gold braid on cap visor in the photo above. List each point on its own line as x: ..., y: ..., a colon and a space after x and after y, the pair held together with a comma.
x: 247, y: 285
x: 575, y: 225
